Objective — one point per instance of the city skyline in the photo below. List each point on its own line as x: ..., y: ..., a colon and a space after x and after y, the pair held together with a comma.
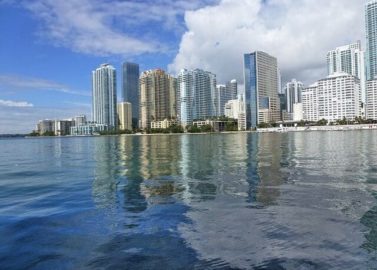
x: 51, y: 79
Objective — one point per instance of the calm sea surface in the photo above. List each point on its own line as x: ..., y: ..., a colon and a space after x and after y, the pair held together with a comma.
x: 231, y: 201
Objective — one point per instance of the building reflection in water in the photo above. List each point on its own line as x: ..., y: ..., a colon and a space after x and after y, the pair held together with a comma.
x: 106, y: 173
x: 298, y: 184
x: 259, y: 196
x: 130, y: 165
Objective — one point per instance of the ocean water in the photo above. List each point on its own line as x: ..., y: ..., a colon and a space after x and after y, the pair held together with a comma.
x: 221, y: 201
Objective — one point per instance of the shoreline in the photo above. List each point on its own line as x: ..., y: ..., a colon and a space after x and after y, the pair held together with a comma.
x: 318, y: 128
x: 261, y: 130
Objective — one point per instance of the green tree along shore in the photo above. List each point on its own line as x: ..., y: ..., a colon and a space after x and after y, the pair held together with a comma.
x: 324, y: 122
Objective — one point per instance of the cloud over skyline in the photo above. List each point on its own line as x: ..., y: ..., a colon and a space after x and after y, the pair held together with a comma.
x: 56, y: 44
x: 104, y: 28
x: 298, y: 32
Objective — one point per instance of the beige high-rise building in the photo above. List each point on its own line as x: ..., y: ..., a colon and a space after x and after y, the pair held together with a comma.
x: 125, y: 115
x: 157, y: 97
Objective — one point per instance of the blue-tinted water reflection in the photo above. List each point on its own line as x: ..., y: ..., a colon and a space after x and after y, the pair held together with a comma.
x: 232, y: 201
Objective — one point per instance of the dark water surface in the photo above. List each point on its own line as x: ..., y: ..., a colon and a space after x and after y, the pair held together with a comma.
x: 232, y: 201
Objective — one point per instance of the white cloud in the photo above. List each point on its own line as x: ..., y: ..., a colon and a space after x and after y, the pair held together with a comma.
x: 10, y: 103
x: 21, y: 82
x: 297, y: 32
x: 110, y: 27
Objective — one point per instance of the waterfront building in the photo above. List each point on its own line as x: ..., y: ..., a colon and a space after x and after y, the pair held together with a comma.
x: 196, y: 95
x: 222, y: 96
x: 235, y: 109
x: 333, y: 98
x: 88, y: 129
x: 292, y: 92
x: 104, y: 96
x: 371, y: 37
x: 232, y: 89
x: 80, y: 120
x: 63, y: 127
x: 157, y: 97
x: 44, y: 126
x: 298, y: 112
x: 349, y: 59
x: 309, y: 98
x: 217, y: 125
x: 125, y: 115
x: 371, y: 105
x: 130, y: 89
x: 261, y: 76
x: 204, y: 83
x: 185, y: 97
x: 164, y: 124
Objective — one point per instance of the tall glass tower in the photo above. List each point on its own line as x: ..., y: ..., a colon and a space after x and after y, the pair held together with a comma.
x: 262, y: 83
x: 104, y: 97
x: 371, y: 34
x: 130, y: 89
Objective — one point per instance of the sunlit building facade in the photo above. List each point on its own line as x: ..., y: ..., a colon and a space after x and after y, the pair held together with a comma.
x: 104, y: 99
x: 261, y: 75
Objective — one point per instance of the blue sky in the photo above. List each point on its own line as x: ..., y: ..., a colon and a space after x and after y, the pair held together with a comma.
x: 48, y: 48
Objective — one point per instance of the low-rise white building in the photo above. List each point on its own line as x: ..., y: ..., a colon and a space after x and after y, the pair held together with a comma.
x: 63, y: 127
x: 88, y: 129
x: 164, y: 124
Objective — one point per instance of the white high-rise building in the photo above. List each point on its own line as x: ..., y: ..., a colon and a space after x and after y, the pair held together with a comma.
x: 223, y: 95
x: 292, y: 91
x: 309, y: 97
x: 371, y: 36
x: 80, y: 120
x: 235, y: 109
x: 232, y: 88
x: 333, y: 98
x: 349, y: 59
x: 196, y: 95
x: 104, y: 96
x: 371, y: 105
x: 185, y: 97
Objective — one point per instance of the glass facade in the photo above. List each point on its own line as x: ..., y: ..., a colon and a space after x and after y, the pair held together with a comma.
x: 251, y: 100
x: 104, y: 99
x: 130, y: 89
x: 371, y: 31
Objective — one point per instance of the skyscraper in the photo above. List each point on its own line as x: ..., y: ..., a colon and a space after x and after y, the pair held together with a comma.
x: 223, y: 95
x: 157, y: 97
x: 232, y: 88
x: 185, y: 97
x: 130, y: 89
x: 196, y: 95
x: 292, y: 93
x: 204, y: 83
x: 261, y: 76
x: 371, y: 35
x: 104, y: 96
x: 125, y: 115
x: 349, y: 59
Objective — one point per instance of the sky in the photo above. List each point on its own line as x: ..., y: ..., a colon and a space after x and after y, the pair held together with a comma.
x: 48, y: 48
